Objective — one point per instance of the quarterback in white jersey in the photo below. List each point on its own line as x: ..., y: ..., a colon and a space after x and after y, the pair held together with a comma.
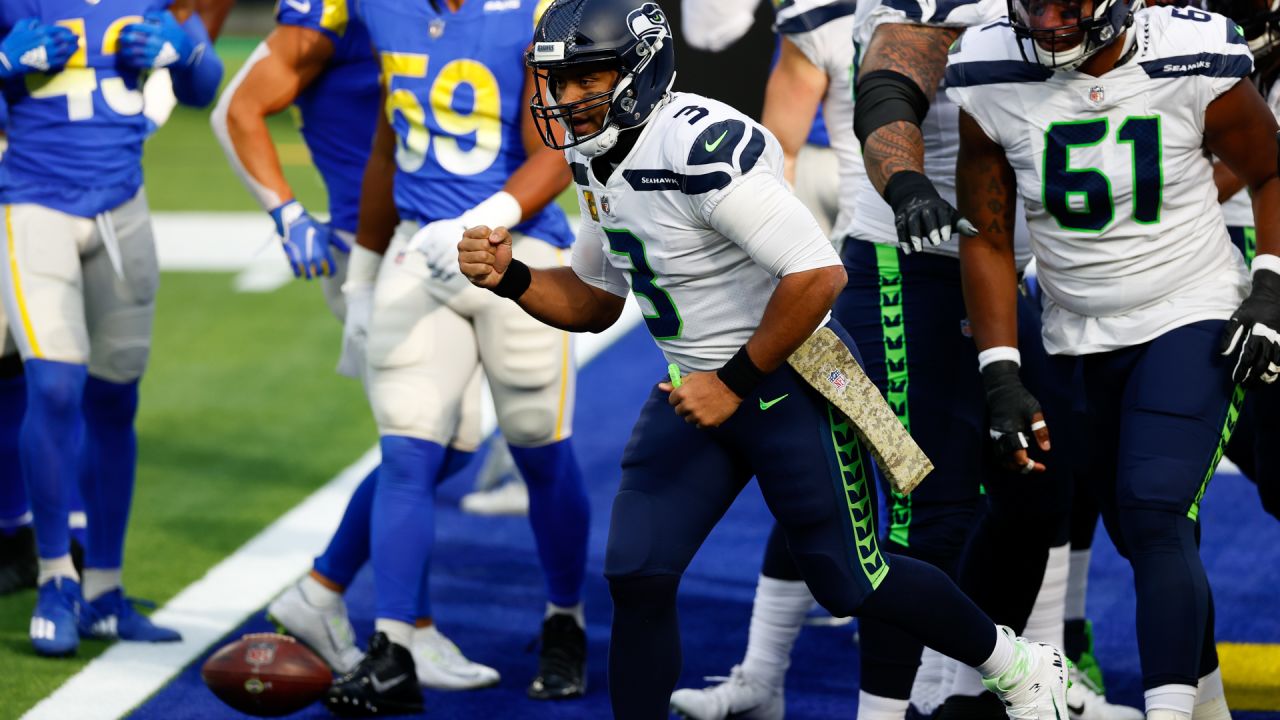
x: 1097, y: 116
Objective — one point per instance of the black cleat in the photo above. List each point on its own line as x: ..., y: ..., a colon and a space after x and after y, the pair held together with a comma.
x: 964, y: 707
x: 384, y: 683
x: 18, y: 569
x: 562, y: 664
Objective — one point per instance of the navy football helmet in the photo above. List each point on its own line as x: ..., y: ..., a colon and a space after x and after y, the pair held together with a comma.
x: 629, y: 36
x: 1067, y: 46
x: 1260, y: 21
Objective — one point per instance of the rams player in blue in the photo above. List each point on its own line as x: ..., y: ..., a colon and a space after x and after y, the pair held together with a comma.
x: 319, y: 59
x: 79, y: 276
x: 455, y: 147
x: 684, y: 206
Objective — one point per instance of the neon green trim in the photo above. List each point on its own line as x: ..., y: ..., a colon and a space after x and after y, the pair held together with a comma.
x: 1228, y: 426
x: 1250, y: 245
x: 892, y: 328
x: 857, y: 493
x: 766, y: 405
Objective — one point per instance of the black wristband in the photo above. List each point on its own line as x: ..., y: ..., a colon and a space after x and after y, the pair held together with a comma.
x: 514, y: 281
x: 905, y: 185
x: 740, y: 374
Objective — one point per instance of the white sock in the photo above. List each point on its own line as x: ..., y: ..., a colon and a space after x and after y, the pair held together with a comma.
x: 316, y: 594
x: 874, y: 707
x: 1211, y: 700
x: 933, y: 678
x: 1001, y: 657
x: 400, y: 633
x: 777, y: 615
x: 1077, y: 584
x: 1166, y: 715
x: 99, y: 581
x: 1179, y: 699
x: 575, y: 612
x: 21, y: 521
x: 51, y: 568
x: 1044, y: 624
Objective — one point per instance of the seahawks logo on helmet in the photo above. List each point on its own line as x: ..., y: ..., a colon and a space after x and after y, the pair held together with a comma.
x: 649, y: 25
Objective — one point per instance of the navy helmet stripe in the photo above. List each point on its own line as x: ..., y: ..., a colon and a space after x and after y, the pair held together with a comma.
x: 1207, y: 64
x: 994, y: 72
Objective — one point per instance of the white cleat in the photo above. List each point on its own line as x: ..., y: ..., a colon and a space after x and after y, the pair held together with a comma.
x: 1035, y: 688
x: 1085, y: 702
x: 442, y: 666
x: 326, y: 630
x: 511, y: 498
x: 738, y: 696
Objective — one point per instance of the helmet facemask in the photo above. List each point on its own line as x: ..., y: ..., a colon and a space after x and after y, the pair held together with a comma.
x: 547, y: 108
x: 1078, y: 36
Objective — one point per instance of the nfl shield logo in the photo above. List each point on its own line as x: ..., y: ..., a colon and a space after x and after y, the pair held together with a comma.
x: 838, y: 379
x: 604, y: 205
x: 260, y: 653
x: 1096, y: 94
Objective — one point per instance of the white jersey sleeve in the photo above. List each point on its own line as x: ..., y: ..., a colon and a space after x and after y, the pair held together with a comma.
x: 1119, y: 196
x: 588, y: 260
x: 962, y: 14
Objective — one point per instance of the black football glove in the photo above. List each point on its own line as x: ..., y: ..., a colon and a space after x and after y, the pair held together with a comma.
x: 1253, y: 331
x: 920, y: 213
x: 1013, y: 412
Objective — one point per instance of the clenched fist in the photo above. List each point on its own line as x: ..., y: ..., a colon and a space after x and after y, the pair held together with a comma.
x: 484, y: 255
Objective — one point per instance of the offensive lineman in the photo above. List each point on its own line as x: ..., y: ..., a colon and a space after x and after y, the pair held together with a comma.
x: 79, y: 276
x: 1097, y: 117
x: 452, y: 149
x: 321, y: 61
x: 683, y: 202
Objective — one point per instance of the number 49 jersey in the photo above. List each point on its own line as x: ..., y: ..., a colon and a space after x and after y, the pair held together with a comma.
x: 76, y: 135
x: 1119, y: 194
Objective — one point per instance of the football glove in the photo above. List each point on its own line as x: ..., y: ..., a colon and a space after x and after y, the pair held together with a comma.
x: 306, y: 241
x: 1252, y: 332
x: 355, y: 330
x: 156, y: 42
x: 438, y: 244
x: 1011, y: 410
x: 920, y: 213
x: 32, y: 46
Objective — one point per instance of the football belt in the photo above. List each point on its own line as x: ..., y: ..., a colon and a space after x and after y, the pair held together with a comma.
x: 826, y: 364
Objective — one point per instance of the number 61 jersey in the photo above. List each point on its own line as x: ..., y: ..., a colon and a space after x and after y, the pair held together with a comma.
x: 1119, y: 194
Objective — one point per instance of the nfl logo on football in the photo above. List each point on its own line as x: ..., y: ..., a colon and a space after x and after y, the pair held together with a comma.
x: 260, y: 653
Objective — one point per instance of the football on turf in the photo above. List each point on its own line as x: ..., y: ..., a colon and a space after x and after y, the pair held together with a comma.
x: 266, y: 674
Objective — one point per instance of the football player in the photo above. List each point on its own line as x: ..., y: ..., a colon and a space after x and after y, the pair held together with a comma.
x: 319, y: 59
x: 1250, y: 448
x: 683, y: 203
x: 79, y: 276
x: 457, y: 144
x: 1097, y: 117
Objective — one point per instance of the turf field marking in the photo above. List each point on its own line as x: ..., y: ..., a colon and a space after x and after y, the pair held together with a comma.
x: 1251, y: 675
x: 124, y: 676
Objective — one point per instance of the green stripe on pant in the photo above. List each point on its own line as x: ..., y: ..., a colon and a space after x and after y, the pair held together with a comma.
x: 893, y: 330
x: 1228, y: 426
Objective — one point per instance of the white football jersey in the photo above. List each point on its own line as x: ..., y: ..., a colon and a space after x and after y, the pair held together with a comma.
x: 649, y: 228
x: 1237, y: 211
x: 1118, y: 191
x: 873, y: 218
x: 823, y: 31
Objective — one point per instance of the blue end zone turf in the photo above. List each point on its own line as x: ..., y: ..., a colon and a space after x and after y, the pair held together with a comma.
x: 488, y: 590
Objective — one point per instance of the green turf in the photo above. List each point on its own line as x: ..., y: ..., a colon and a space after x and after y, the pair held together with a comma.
x: 242, y: 417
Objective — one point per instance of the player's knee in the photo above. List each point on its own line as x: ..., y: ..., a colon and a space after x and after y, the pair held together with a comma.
x: 1152, y: 531
x: 530, y: 425
x: 644, y: 592
x: 632, y: 534
x: 533, y: 355
x: 120, y: 362
x: 412, y: 409
x: 829, y: 578
x: 57, y: 388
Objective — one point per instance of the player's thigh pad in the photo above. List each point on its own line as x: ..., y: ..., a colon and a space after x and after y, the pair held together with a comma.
x: 43, y: 285
x: 119, y: 308
x: 468, y: 435
x: 421, y: 354
x: 332, y: 286
x: 818, y: 183
x: 530, y: 365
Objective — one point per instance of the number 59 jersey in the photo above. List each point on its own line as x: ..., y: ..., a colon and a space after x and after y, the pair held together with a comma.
x: 76, y: 135
x: 1119, y: 193
x: 455, y: 97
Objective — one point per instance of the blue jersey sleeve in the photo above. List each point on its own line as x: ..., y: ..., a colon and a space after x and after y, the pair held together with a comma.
x: 329, y: 17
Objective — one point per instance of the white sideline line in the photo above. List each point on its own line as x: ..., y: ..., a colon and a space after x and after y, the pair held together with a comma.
x: 124, y: 676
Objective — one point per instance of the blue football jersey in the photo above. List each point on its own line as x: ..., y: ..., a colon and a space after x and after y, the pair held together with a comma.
x: 455, y: 85
x: 75, y: 136
x: 339, y: 108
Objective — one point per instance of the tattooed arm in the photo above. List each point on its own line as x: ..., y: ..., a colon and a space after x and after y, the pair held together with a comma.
x: 920, y: 53
x: 985, y: 192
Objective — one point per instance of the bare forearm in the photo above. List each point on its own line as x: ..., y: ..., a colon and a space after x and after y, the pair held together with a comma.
x: 990, y: 292
x: 891, y: 149
x: 799, y: 302
x: 559, y: 298
x: 378, y: 214
x: 251, y: 142
x: 1266, y: 216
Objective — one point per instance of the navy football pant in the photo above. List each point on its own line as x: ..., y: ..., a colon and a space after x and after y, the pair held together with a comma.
x: 677, y: 481
x: 1159, y: 417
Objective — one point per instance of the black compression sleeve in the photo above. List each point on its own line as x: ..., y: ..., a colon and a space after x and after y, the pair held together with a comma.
x: 886, y: 96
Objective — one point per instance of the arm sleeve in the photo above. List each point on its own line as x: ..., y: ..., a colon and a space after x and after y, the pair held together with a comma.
x: 762, y: 216
x: 588, y: 259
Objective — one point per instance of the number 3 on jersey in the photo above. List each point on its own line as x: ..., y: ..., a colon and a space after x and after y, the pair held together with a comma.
x: 483, y: 120
x: 664, y: 322
x: 1081, y: 198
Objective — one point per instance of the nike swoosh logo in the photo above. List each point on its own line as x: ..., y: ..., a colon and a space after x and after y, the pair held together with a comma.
x: 380, y: 687
x: 711, y: 147
x: 766, y: 405
x: 302, y: 7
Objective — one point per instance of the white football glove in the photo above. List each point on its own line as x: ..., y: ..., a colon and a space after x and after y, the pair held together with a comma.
x: 357, y: 292
x: 437, y: 242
